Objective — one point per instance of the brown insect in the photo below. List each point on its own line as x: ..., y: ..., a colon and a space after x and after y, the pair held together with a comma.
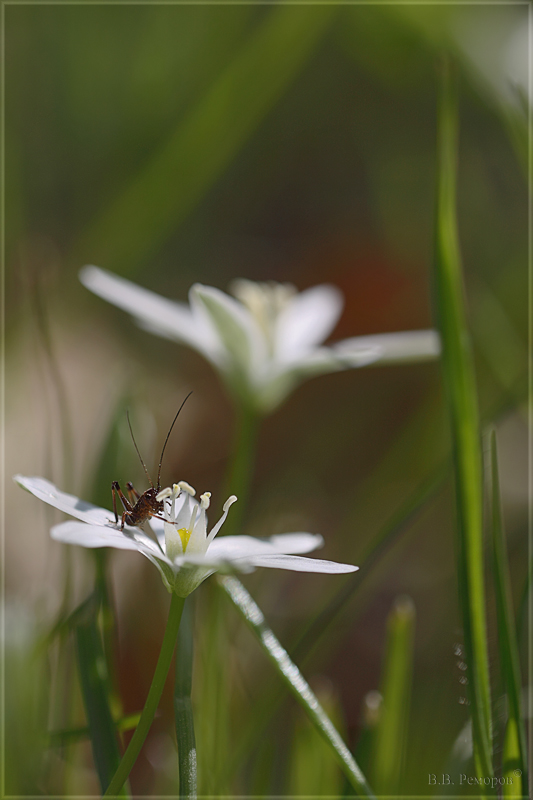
x: 140, y: 507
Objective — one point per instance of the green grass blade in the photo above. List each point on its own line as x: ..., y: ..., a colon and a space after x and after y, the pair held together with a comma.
x: 177, y: 176
x: 515, y: 781
x: 94, y: 685
x: 295, y: 681
x: 183, y: 715
x: 391, y: 731
x: 515, y: 744
x: 462, y: 402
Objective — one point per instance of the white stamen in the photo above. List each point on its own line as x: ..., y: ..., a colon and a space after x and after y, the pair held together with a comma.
x: 187, y: 488
x: 163, y: 494
x: 205, y: 500
x: 229, y: 502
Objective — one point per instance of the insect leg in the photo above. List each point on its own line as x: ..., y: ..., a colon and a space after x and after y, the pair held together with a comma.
x: 115, y: 488
x: 158, y: 517
x: 133, y: 494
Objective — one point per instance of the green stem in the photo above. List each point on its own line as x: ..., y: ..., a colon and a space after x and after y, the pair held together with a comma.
x: 152, y: 701
x: 183, y: 709
x: 240, y: 470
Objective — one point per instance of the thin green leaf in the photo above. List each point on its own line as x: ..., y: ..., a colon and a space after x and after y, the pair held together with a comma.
x: 462, y: 403
x: 94, y: 685
x: 508, y: 646
x: 391, y: 732
x: 295, y: 682
x: 177, y: 176
x: 514, y: 780
x: 183, y: 715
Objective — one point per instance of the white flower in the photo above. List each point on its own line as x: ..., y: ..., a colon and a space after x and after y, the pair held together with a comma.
x: 183, y: 551
x: 265, y: 339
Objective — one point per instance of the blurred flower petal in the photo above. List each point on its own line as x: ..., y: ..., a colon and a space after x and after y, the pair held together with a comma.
x: 306, y: 321
x: 237, y: 329
x: 169, y: 318
x: 389, y: 348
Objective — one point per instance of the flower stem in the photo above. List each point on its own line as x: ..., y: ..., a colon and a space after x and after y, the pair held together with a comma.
x: 183, y: 708
x: 152, y: 701
x: 240, y: 470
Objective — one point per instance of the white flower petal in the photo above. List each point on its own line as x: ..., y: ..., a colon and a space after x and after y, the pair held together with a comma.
x: 237, y: 329
x: 306, y: 321
x: 295, y: 543
x: 209, y: 564
x: 158, y: 314
x: 390, y: 348
x: 68, y: 503
x: 158, y: 527
x: 86, y: 535
x: 231, y: 547
x: 299, y: 564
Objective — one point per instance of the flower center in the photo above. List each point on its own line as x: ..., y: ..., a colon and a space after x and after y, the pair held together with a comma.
x: 191, y: 515
x: 265, y: 301
x: 185, y: 535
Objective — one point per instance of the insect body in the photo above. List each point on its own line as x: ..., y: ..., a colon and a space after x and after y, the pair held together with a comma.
x: 140, y: 507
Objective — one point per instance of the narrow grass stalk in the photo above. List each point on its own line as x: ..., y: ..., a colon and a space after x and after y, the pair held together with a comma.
x: 183, y: 715
x: 391, y: 731
x: 515, y: 744
x: 94, y: 682
x: 462, y: 402
x: 295, y: 682
x: 152, y: 700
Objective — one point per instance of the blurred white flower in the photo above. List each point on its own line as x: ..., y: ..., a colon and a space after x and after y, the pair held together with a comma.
x: 265, y: 339
x: 183, y: 552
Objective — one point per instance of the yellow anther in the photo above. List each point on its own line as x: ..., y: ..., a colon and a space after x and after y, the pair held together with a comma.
x: 163, y: 494
x: 187, y: 488
x: 205, y: 499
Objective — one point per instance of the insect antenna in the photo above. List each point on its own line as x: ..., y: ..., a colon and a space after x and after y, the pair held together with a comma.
x: 137, y: 449
x: 166, y: 440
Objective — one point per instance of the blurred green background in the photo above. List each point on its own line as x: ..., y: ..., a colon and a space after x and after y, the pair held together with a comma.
x: 181, y: 143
